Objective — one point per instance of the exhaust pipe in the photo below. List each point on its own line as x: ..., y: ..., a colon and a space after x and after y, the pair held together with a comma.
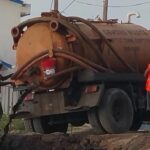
x: 137, y: 14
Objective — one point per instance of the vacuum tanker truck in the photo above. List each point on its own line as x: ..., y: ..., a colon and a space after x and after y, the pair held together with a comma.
x: 80, y: 72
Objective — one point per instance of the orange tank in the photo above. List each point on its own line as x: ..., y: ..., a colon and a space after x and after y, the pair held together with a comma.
x: 51, y: 47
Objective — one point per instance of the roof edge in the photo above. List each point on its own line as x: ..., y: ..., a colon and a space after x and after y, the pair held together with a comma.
x: 18, y: 1
x: 5, y: 64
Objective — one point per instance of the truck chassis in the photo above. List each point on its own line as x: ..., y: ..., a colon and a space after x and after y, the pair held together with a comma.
x: 117, y: 104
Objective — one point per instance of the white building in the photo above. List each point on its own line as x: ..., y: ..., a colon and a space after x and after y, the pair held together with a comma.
x: 11, y: 12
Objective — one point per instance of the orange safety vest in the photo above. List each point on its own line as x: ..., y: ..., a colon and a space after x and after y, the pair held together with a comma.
x: 148, y: 79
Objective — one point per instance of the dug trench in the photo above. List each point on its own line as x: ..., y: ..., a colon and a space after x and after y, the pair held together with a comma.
x: 77, y: 141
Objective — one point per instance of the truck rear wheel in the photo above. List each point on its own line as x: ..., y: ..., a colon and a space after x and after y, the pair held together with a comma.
x: 94, y: 121
x: 137, y: 120
x: 41, y: 125
x: 116, y: 111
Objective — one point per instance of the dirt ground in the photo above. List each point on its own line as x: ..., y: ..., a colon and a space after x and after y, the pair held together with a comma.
x: 77, y: 141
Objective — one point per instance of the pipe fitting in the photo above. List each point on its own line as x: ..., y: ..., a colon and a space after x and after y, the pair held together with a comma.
x: 15, y: 32
x: 137, y: 14
x: 54, y: 25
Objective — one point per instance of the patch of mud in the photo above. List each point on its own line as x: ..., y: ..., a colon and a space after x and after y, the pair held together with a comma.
x: 77, y: 141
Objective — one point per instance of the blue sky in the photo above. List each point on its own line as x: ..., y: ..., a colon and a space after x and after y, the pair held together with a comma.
x: 87, y: 11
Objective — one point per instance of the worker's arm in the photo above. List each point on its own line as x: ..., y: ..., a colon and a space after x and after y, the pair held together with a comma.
x: 147, y: 71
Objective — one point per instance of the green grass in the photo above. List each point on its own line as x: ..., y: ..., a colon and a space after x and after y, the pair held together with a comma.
x: 16, y: 125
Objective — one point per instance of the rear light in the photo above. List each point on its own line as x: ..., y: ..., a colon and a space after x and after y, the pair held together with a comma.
x: 48, y: 67
x: 29, y: 97
x: 91, y: 89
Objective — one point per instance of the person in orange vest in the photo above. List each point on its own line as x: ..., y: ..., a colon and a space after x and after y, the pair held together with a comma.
x: 147, y: 75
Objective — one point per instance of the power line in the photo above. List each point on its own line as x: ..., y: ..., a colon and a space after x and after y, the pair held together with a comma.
x: 133, y: 5
x: 114, y: 6
x: 68, y: 6
x: 80, y: 2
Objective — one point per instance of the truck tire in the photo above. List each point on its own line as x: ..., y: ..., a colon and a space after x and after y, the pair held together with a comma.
x: 94, y: 121
x: 41, y: 125
x: 28, y: 124
x: 137, y: 120
x: 116, y: 111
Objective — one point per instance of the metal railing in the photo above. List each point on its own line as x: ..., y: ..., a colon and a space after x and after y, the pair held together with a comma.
x: 8, y: 98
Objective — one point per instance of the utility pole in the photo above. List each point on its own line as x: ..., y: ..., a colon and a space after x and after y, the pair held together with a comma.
x: 55, y: 4
x: 105, y: 9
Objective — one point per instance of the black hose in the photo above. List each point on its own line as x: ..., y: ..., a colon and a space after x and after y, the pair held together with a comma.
x: 2, y: 78
x: 28, y: 64
x: 93, y: 65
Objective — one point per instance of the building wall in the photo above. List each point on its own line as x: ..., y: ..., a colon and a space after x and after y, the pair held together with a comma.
x: 9, y: 17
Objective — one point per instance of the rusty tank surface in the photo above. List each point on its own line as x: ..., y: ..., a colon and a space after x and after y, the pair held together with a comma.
x: 79, y: 71
x: 75, y: 43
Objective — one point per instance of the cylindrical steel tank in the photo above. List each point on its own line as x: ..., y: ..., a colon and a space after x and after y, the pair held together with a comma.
x: 110, y: 45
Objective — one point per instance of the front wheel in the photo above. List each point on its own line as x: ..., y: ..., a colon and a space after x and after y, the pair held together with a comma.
x: 41, y: 125
x: 116, y: 111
